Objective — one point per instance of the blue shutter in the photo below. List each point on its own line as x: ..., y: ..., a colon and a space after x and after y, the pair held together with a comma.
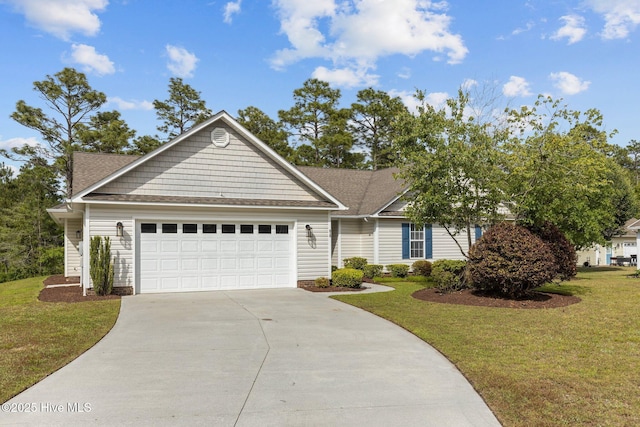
x: 428, y: 241
x: 478, y: 232
x: 405, y: 240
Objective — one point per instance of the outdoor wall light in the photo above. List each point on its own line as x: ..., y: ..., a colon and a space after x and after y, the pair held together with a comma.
x: 79, y: 234
x: 309, y: 230
x: 119, y: 229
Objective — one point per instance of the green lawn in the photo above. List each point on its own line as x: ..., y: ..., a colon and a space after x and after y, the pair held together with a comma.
x: 37, y: 338
x: 575, y: 365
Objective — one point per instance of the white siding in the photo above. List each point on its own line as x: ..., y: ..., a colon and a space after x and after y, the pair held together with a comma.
x: 356, y: 240
x: 240, y: 171
x: 335, y: 239
x: 312, y: 254
x: 390, y: 238
x: 71, y: 243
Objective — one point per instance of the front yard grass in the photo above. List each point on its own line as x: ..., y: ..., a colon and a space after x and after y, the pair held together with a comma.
x: 575, y: 365
x: 38, y: 338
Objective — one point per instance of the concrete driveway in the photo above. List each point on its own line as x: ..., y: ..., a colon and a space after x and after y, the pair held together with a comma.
x: 281, y: 357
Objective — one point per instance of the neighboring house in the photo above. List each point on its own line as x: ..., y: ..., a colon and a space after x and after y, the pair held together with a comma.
x: 216, y: 208
x: 624, y: 246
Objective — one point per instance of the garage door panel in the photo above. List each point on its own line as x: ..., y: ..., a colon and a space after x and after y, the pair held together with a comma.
x: 174, y: 262
x: 189, y: 264
x: 209, y: 246
x: 189, y: 246
x: 169, y: 246
x: 228, y: 264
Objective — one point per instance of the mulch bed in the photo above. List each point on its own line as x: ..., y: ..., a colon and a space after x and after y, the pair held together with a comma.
x: 470, y: 297
x: 314, y: 288
x: 67, y: 293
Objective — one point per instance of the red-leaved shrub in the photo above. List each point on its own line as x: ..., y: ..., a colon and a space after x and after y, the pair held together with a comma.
x: 509, y: 260
x: 560, y: 247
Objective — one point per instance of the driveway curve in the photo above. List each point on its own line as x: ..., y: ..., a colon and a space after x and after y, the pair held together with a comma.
x: 278, y: 357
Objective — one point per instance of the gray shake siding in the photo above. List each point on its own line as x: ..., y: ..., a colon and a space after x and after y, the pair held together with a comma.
x: 198, y: 168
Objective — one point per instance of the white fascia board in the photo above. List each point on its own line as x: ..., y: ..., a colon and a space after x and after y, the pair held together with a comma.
x: 224, y: 116
x: 196, y: 205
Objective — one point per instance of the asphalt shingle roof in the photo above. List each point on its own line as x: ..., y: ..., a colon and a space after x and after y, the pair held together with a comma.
x: 364, y: 192
x: 90, y: 168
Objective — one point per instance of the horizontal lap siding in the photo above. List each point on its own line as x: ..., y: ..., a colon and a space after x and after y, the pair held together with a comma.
x: 240, y: 171
x: 390, y: 241
x: 71, y: 242
x: 312, y: 255
x: 390, y: 238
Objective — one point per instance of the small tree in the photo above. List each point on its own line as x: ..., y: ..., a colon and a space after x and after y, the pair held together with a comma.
x: 509, y: 260
x: 101, y: 266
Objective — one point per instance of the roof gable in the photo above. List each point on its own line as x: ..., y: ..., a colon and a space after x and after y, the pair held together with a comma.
x: 193, y: 166
x: 89, y: 168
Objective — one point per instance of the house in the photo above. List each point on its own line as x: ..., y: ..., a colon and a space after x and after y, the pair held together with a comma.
x: 623, y: 246
x: 216, y: 208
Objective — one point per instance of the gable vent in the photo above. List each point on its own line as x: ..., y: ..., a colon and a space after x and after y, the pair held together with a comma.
x: 220, y: 137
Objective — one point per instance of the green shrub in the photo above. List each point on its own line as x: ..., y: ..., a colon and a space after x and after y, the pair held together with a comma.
x: 334, y: 268
x: 422, y: 267
x: 322, y: 282
x: 347, y: 277
x: 372, y: 270
x: 448, y: 274
x: 100, y: 265
x: 510, y: 260
x: 398, y: 270
x: 560, y: 247
x: 355, y: 262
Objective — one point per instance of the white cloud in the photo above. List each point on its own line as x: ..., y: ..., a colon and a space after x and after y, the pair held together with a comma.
x: 182, y: 63
x: 467, y: 84
x: 230, y: 9
x: 91, y: 60
x: 346, y: 77
x: 62, y: 17
x: 437, y: 100
x: 573, y: 30
x: 621, y: 16
x: 408, y: 99
x: 405, y: 73
x: 122, y: 104
x: 516, y: 86
x: 568, y: 83
x: 10, y: 143
x: 524, y: 29
x: 355, y: 34
x: 14, y: 169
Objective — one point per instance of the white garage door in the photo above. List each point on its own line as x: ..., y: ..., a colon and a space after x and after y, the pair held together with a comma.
x: 196, y: 256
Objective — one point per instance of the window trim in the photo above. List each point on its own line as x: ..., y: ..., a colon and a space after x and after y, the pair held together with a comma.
x: 416, y: 253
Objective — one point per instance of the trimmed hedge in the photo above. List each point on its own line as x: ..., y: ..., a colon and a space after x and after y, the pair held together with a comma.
x: 510, y: 260
x: 356, y: 262
x: 422, y: 267
x: 373, y: 270
x: 448, y: 274
x: 322, y: 282
x: 398, y: 270
x: 347, y: 277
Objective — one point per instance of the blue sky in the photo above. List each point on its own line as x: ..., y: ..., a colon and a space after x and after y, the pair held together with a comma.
x: 243, y: 52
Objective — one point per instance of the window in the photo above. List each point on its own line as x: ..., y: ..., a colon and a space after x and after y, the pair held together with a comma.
x: 246, y: 228
x: 189, y: 228
x: 264, y: 229
x: 228, y: 228
x: 416, y: 239
x: 148, y: 228
x: 282, y: 229
x: 209, y: 228
x: 170, y: 228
